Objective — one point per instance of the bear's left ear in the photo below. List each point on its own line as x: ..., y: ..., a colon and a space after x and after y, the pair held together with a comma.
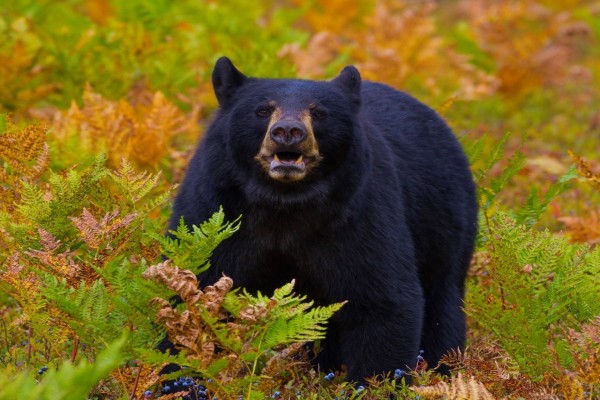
x: 349, y: 80
x: 226, y: 80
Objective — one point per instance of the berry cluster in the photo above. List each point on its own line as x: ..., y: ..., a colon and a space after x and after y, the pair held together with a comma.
x: 398, y: 373
x: 194, y: 390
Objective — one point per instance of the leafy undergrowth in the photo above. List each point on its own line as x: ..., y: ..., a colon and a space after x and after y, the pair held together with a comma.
x: 99, y: 115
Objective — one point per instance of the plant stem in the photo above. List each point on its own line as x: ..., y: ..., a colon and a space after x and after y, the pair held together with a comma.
x: 137, y: 378
x: 75, y: 349
x: 29, y: 349
x: 254, y: 364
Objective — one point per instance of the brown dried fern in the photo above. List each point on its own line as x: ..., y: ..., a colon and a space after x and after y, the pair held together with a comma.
x: 100, y: 234
x: 186, y: 329
x: 485, y: 362
x: 459, y: 388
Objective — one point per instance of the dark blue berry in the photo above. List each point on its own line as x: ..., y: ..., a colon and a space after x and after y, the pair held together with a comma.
x: 360, y: 388
x: 166, y: 389
x: 276, y: 395
x: 329, y: 376
x: 421, y: 352
x: 398, y: 373
x: 42, y: 370
x: 147, y: 393
x: 419, y: 358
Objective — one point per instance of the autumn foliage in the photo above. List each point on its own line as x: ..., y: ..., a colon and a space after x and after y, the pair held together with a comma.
x: 102, y: 102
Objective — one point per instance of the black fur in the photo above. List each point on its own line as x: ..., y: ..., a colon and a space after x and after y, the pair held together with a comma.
x: 386, y: 220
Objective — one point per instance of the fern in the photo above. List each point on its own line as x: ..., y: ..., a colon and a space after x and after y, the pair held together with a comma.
x: 459, y: 388
x: 233, y: 350
x: 535, y: 205
x: 541, y: 285
x: 482, y: 161
x: 191, y: 249
x: 135, y: 185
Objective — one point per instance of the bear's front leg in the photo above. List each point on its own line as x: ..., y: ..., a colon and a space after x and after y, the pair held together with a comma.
x: 380, y: 339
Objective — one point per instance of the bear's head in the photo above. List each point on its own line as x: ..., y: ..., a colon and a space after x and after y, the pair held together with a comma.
x: 289, y: 136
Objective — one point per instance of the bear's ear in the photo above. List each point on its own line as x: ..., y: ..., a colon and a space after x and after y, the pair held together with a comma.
x: 349, y: 80
x: 226, y: 80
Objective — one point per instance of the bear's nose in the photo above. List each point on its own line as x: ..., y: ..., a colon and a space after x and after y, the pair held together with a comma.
x: 288, y: 132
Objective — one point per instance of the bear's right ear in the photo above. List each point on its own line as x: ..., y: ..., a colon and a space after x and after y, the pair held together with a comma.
x: 226, y: 80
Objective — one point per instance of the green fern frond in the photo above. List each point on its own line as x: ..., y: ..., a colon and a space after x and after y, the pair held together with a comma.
x: 159, y: 201
x: 474, y: 148
x: 301, y: 327
x: 191, y: 249
x: 135, y: 185
x: 33, y: 206
x: 536, y: 205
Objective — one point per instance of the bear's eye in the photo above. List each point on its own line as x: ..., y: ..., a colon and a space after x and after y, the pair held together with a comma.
x: 264, y: 112
x: 318, y: 113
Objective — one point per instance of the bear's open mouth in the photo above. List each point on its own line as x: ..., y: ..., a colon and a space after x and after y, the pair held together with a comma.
x: 287, y: 160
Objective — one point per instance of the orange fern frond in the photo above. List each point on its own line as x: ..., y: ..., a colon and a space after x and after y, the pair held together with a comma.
x: 24, y: 285
x: 20, y: 146
x: 584, y: 169
x: 53, y: 260
x: 141, y: 129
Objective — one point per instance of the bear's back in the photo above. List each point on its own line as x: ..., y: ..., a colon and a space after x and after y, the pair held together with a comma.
x: 435, y: 180
x: 413, y: 134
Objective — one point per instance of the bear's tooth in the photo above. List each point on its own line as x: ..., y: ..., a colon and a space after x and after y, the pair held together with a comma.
x: 299, y: 160
x: 275, y: 158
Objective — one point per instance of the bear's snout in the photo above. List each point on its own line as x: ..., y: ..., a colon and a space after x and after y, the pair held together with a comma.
x: 289, y: 149
x: 288, y: 132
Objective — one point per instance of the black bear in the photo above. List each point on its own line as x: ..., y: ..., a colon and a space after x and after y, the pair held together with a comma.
x: 357, y: 191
